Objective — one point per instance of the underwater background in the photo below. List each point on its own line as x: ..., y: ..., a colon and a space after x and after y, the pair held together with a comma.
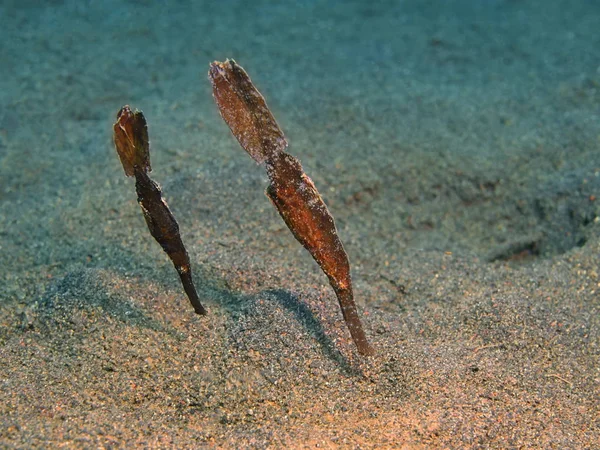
x: 457, y: 145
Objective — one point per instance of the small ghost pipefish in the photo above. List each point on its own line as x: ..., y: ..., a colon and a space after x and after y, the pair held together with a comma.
x: 133, y: 148
x: 291, y: 191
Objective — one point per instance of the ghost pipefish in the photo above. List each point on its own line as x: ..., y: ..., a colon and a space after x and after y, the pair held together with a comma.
x: 291, y: 191
x: 133, y: 148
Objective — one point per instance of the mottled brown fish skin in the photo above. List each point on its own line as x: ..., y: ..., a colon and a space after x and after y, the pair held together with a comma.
x: 245, y: 111
x: 164, y: 228
x: 133, y: 147
x: 297, y: 200
x: 291, y: 191
x: 131, y: 140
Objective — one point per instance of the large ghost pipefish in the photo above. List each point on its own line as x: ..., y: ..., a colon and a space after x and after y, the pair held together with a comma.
x: 131, y: 142
x: 291, y: 191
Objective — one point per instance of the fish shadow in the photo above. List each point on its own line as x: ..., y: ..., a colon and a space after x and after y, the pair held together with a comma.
x: 307, y: 318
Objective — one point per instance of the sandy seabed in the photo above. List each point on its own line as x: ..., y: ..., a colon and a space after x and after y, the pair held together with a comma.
x: 456, y: 143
